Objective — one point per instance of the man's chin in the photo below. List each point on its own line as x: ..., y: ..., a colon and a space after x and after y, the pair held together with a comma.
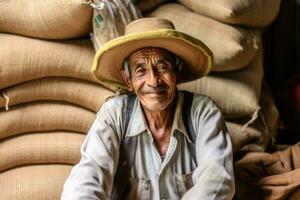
x: 154, y: 106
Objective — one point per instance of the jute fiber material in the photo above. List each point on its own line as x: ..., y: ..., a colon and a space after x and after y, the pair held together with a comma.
x: 237, y: 93
x: 248, y: 138
x: 34, y: 182
x: 48, y: 19
x: 44, y: 116
x: 40, y: 148
x: 149, y: 5
x: 269, y: 176
x: 23, y: 59
x: 257, y: 13
x: 270, y: 111
x: 257, y: 134
x: 233, y: 47
x: 83, y: 93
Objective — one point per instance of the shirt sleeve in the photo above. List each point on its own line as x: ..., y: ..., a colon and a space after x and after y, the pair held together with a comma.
x: 214, y: 177
x: 92, y: 177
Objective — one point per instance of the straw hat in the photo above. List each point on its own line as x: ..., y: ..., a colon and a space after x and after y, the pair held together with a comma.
x: 151, y: 32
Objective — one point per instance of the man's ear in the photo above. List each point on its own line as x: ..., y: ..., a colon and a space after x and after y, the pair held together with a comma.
x: 126, y: 80
x: 179, y: 76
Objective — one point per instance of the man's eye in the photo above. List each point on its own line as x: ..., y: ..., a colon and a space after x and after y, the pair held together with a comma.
x: 162, y: 67
x: 140, y: 70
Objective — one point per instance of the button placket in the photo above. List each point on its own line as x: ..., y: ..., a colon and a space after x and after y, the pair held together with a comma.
x: 170, y: 153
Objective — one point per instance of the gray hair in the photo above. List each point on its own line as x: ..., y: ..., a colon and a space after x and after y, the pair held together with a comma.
x: 126, y: 68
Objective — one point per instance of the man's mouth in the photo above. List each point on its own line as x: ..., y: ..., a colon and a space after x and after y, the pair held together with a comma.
x: 154, y: 91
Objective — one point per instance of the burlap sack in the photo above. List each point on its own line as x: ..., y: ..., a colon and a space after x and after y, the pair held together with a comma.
x: 83, y: 93
x: 269, y: 111
x: 34, y: 182
x: 149, y: 5
x: 48, y: 19
x: 23, y: 59
x: 44, y: 116
x: 237, y: 93
x: 256, y: 13
x: 110, y: 19
x: 40, y: 148
x: 233, y: 47
x: 248, y: 138
x: 269, y: 176
x: 257, y: 134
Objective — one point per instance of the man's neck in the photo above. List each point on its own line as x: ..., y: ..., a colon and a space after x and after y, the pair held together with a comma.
x: 160, y: 121
x: 160, y: 124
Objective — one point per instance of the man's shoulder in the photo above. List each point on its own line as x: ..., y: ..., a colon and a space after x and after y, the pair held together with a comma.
x: 118, y: 99
x: 114, y: 103
x: 202, y: 104
x: 201, y: 99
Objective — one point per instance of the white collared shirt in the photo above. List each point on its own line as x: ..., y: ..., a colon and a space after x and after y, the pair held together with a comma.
x: 176, y: 177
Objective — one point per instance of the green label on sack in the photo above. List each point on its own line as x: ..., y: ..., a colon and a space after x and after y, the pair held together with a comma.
x: 98, y: 21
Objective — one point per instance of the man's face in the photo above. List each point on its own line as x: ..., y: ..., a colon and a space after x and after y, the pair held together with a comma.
x: 153, y: 77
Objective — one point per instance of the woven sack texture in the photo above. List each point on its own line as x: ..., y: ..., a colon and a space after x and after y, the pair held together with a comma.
x: 149, y: 5
x: 48, y: 19
x: 249, y: 138
x: 233, y: 47
x: 237, y: 93
x: 110, y: 19
x: 23, y: 59
x: 83, y: 93
x: 270, y: 111
x: 257, y: 13
x: 256, y: 136
x: 269, y: 176
x: 40, y: 148
x: 44, y: 116
x: 34, y: 182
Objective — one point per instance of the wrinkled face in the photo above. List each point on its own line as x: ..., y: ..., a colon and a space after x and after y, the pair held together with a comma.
x: 153, y: 77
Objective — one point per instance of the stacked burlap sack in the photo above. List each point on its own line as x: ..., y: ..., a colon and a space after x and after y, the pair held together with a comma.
x: 146, y: 6
x: 49, y: 97
x: 54, y: 19
x: 269, y: 176
x: 229, y: 29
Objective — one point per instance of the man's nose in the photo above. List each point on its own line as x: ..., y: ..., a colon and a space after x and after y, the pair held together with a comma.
x: 152, y: 78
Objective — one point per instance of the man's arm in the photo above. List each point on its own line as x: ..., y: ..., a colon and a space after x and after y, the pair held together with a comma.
x: 213, y: 178
x: 92, y: 177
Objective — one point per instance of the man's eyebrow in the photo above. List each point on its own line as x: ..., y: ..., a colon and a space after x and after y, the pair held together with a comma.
x: 137, y: 63
x: 164, y: 60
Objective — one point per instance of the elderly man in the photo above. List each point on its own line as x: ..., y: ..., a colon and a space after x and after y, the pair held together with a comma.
x: 164, y: 144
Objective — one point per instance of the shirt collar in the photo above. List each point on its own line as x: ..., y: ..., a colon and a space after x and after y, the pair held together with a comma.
x: 138, y: 123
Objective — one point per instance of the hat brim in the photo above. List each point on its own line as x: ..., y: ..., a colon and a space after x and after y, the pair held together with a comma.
x: 110, y: 57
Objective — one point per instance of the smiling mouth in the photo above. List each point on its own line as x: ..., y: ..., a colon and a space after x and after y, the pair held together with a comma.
x: 155, y: 92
